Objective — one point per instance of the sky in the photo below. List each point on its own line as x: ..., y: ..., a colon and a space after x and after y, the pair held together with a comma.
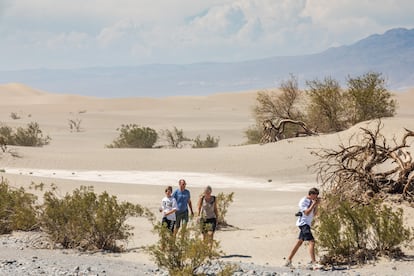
x: 67, y: 34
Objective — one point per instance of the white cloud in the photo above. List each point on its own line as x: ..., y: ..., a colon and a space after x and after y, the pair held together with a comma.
x: 185, y: 31
x: 68, y: 40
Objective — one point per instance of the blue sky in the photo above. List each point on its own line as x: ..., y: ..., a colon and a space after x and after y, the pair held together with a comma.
x: 88, y: 33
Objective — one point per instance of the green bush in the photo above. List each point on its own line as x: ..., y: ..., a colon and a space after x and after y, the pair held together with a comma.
x: 350, y: 232
x: 209, y: 142
x: 182, y: 255
x: 17, y: 211
x: 254, y: 134
x: 223, y: 203
x: 32, y: 136
x: 133, y: 136
x: 87, y: 221
x: 368, y: 98
x: 15, y: 116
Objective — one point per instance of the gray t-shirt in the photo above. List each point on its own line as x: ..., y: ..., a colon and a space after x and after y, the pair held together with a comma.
x: 207, y: 208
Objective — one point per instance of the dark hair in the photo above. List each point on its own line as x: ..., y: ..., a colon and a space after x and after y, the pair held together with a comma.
x: 168, y: 188
x: 313, y: 191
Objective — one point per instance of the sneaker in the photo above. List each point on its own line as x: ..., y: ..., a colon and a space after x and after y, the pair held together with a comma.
x: 288, y: 263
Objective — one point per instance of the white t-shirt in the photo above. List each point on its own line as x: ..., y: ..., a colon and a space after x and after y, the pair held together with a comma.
x: 304, y: 204
x: 168, y: 204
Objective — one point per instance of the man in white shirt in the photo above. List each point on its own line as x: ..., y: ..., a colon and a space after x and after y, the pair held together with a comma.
x: 308, y: 207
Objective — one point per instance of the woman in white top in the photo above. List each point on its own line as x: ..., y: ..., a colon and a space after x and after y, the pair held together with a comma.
x: 168, y: 209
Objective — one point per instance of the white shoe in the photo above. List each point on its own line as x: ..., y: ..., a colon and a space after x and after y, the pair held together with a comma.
x: 316, y: 266
x: 288, y: 263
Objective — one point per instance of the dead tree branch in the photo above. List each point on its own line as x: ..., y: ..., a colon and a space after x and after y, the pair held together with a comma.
x: 369, y: 166
x: 273, y: 133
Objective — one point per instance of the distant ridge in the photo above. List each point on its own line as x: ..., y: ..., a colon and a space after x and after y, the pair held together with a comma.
x: 391, y: 54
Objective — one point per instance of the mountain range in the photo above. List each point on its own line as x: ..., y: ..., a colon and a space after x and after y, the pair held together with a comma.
x: 391, y: 54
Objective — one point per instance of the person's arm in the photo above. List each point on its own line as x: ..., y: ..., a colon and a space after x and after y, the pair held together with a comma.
x: 311, y: 208
x: 191, y: 207
x: 189, y: 203
x: 173, y: 209
x: 215, y: 207
x: 161, y: 207
x: 199, y: 204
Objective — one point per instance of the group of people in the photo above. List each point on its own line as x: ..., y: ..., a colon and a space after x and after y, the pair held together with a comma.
x: 177, y: 205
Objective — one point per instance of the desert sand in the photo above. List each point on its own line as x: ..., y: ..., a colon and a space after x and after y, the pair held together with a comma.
x: 267, y: 180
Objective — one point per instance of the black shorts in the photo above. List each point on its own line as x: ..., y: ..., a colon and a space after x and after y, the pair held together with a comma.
x: 168, y: 223
x: 305, y: 233
x: 208, y: 225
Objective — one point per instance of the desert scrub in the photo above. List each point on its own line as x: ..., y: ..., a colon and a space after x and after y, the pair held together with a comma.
x: 134, y: 136
x: 223, y: 203
x: 185, y: 253
x: 32, y: 136
x: 209, y: 142
x: 17, y: 209
x: 353, y: 233
x: 174, y: 137
x: 88, y: 221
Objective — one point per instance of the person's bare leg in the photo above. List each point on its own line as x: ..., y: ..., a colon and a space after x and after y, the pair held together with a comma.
x: 312, y: 251
x: 295, y: 249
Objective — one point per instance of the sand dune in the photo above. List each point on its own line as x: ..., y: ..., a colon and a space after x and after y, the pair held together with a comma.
x: 268, y: 180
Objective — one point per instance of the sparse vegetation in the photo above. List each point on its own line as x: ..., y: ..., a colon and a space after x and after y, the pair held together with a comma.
x: 369, y: 99
x: 182, y: 254
x: 326, y: 108
x: 15, y: 116
x: 356, y: 223
x: 75, y: 125
x: 367, y: 166
x: 223, y: 203
x: 254, y: 134
x: 351, y: 233
x: 323, y: 106
x: 209, y: 142
x: 82, y: 220
x: 17, y: 210
x: 175, y: 137
x: 134, y: 136
x: 32, y: 136
x: 185, y: 253
x: 88, y: 221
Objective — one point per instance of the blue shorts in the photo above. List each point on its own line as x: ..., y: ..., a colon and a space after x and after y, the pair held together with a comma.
x: 305, y: 233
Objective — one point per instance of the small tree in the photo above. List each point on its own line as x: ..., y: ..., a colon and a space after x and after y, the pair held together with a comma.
x: 133, y: 136
x: 368, y: 98
x: 326, y: 108
x: 275, y: 106
x: 209, y: 142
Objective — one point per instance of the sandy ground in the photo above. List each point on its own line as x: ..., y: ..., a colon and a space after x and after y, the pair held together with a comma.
x: 267, y: 180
